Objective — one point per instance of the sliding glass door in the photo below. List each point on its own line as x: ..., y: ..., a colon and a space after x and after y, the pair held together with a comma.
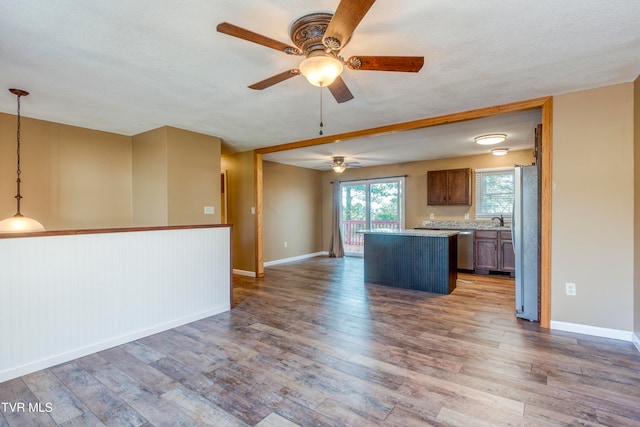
x: 369, y: 204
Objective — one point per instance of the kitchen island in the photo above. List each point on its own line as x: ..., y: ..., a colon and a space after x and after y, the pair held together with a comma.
x: 424, y: 260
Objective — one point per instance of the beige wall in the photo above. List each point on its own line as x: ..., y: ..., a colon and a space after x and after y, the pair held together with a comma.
x: 593, y: 207
x: 176, y: 173
x: 76, y: 178
x: 72, y: 178
x: 636, y: 193
x: 193, y: 177
x: 291, y: 199
x: 416, y: 208
x: 150, y: 195
x: 241, y: 198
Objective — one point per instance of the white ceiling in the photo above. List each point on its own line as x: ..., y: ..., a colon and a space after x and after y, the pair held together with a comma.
x: 128, y: 66
x: 437, y: 142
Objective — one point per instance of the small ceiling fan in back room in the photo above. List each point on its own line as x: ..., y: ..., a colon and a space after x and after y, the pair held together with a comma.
x: 320, y: 37
x: 339, y: 165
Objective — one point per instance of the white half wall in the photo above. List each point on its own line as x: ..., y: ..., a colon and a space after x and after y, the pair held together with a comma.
x: 67, y: 296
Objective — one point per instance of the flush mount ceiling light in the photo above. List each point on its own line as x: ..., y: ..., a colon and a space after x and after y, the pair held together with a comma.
x: 19, y: 223
x: 491, y: 139
x: 500, y: 151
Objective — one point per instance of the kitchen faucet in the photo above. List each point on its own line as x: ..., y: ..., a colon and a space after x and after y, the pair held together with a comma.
x: 499, y: 218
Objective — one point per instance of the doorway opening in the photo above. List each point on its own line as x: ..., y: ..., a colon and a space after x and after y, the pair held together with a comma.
x: 369, y: 204
x: 224, y: 198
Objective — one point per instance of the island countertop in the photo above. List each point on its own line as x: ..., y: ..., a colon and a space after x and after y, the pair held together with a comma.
x: 411, y: 232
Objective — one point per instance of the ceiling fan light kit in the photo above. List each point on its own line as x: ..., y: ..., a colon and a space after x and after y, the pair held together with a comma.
x: 338, y: 165
x: 321, y: 70
x: 491, y: 139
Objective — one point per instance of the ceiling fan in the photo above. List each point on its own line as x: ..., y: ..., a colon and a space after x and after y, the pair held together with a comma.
x: 320, y: 37
x: 339, y: 165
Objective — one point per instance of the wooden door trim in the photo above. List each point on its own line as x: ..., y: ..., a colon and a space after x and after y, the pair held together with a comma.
x: 545, y: 213
x: 544, y: 103
x: 259, y: 224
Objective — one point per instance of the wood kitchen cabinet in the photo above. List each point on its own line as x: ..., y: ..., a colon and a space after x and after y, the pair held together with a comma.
x: 449, y: 187
x: 494, y: 252
x: 486, y: 251
x: 506, y: 256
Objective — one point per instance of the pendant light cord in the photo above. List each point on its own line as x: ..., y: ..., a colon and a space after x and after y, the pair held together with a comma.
x: 18, y: 196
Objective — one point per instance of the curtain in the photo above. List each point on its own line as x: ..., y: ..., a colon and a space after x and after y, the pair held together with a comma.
x: 336, y: 250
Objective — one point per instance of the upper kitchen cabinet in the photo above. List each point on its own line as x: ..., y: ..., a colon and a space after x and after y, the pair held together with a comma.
x: 449, y: 187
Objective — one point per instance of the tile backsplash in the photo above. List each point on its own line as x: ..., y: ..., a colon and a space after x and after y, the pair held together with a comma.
x: 463, y: 225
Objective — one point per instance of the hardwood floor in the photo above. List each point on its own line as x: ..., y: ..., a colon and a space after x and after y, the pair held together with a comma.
x: 311, y: 345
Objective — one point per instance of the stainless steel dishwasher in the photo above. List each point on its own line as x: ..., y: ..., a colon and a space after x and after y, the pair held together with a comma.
x: 465, y: 249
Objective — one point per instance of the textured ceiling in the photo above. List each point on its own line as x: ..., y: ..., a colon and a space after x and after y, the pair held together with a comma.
x: 128, y: 66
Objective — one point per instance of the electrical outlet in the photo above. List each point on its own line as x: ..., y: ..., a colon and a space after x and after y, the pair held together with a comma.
x: 466, y: 216
x: 285, y: 244
x: 253, y: 210
x: 209, y: 210
x: 432, y: 216
x: 570, y: 288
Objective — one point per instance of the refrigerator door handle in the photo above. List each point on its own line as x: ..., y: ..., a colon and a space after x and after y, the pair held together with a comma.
x: 516, y: 251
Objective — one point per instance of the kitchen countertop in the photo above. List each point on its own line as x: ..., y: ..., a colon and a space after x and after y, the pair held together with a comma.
x: 411, y: 232
x: 465, y: 225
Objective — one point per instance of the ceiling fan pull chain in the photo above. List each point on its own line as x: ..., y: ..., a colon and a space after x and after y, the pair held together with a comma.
x: 321, y: 124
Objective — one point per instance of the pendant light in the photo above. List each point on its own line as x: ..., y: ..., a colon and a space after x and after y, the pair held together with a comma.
x: 19, y: 223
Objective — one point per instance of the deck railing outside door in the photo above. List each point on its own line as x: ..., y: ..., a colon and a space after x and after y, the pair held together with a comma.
x: 351, y: 228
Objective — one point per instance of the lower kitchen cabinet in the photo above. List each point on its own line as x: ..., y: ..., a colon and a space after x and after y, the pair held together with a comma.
x: 493, y: 252
x: 506, y: 256
x: 486, y: 251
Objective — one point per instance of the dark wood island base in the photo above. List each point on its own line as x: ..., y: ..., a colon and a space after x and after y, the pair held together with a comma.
x: 424, y: 260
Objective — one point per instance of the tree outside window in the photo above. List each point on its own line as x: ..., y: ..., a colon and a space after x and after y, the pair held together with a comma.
x: 494, y: 192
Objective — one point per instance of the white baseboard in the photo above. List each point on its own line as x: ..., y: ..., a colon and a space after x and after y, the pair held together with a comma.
x: 635, y: 339
x: 244, y: 273
x: 56, y: 359
x: 279, y: 261
x: 597, y: 331
x: 295, y: 258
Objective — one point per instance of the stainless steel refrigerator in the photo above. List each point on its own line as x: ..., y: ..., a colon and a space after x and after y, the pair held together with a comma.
x: 524, y: 227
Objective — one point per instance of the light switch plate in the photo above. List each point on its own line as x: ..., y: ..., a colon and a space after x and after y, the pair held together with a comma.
x: 209, y: 210
x: 570, y: 288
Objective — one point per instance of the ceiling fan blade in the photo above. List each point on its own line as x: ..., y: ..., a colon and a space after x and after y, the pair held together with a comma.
x: 275, y: 79
x: 241, y: 33
x: 411, y: 64
x: 340, y: 91
x: 347, y: 17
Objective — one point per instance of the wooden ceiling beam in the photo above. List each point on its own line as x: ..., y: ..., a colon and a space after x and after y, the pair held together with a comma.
x: 411, y: 125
